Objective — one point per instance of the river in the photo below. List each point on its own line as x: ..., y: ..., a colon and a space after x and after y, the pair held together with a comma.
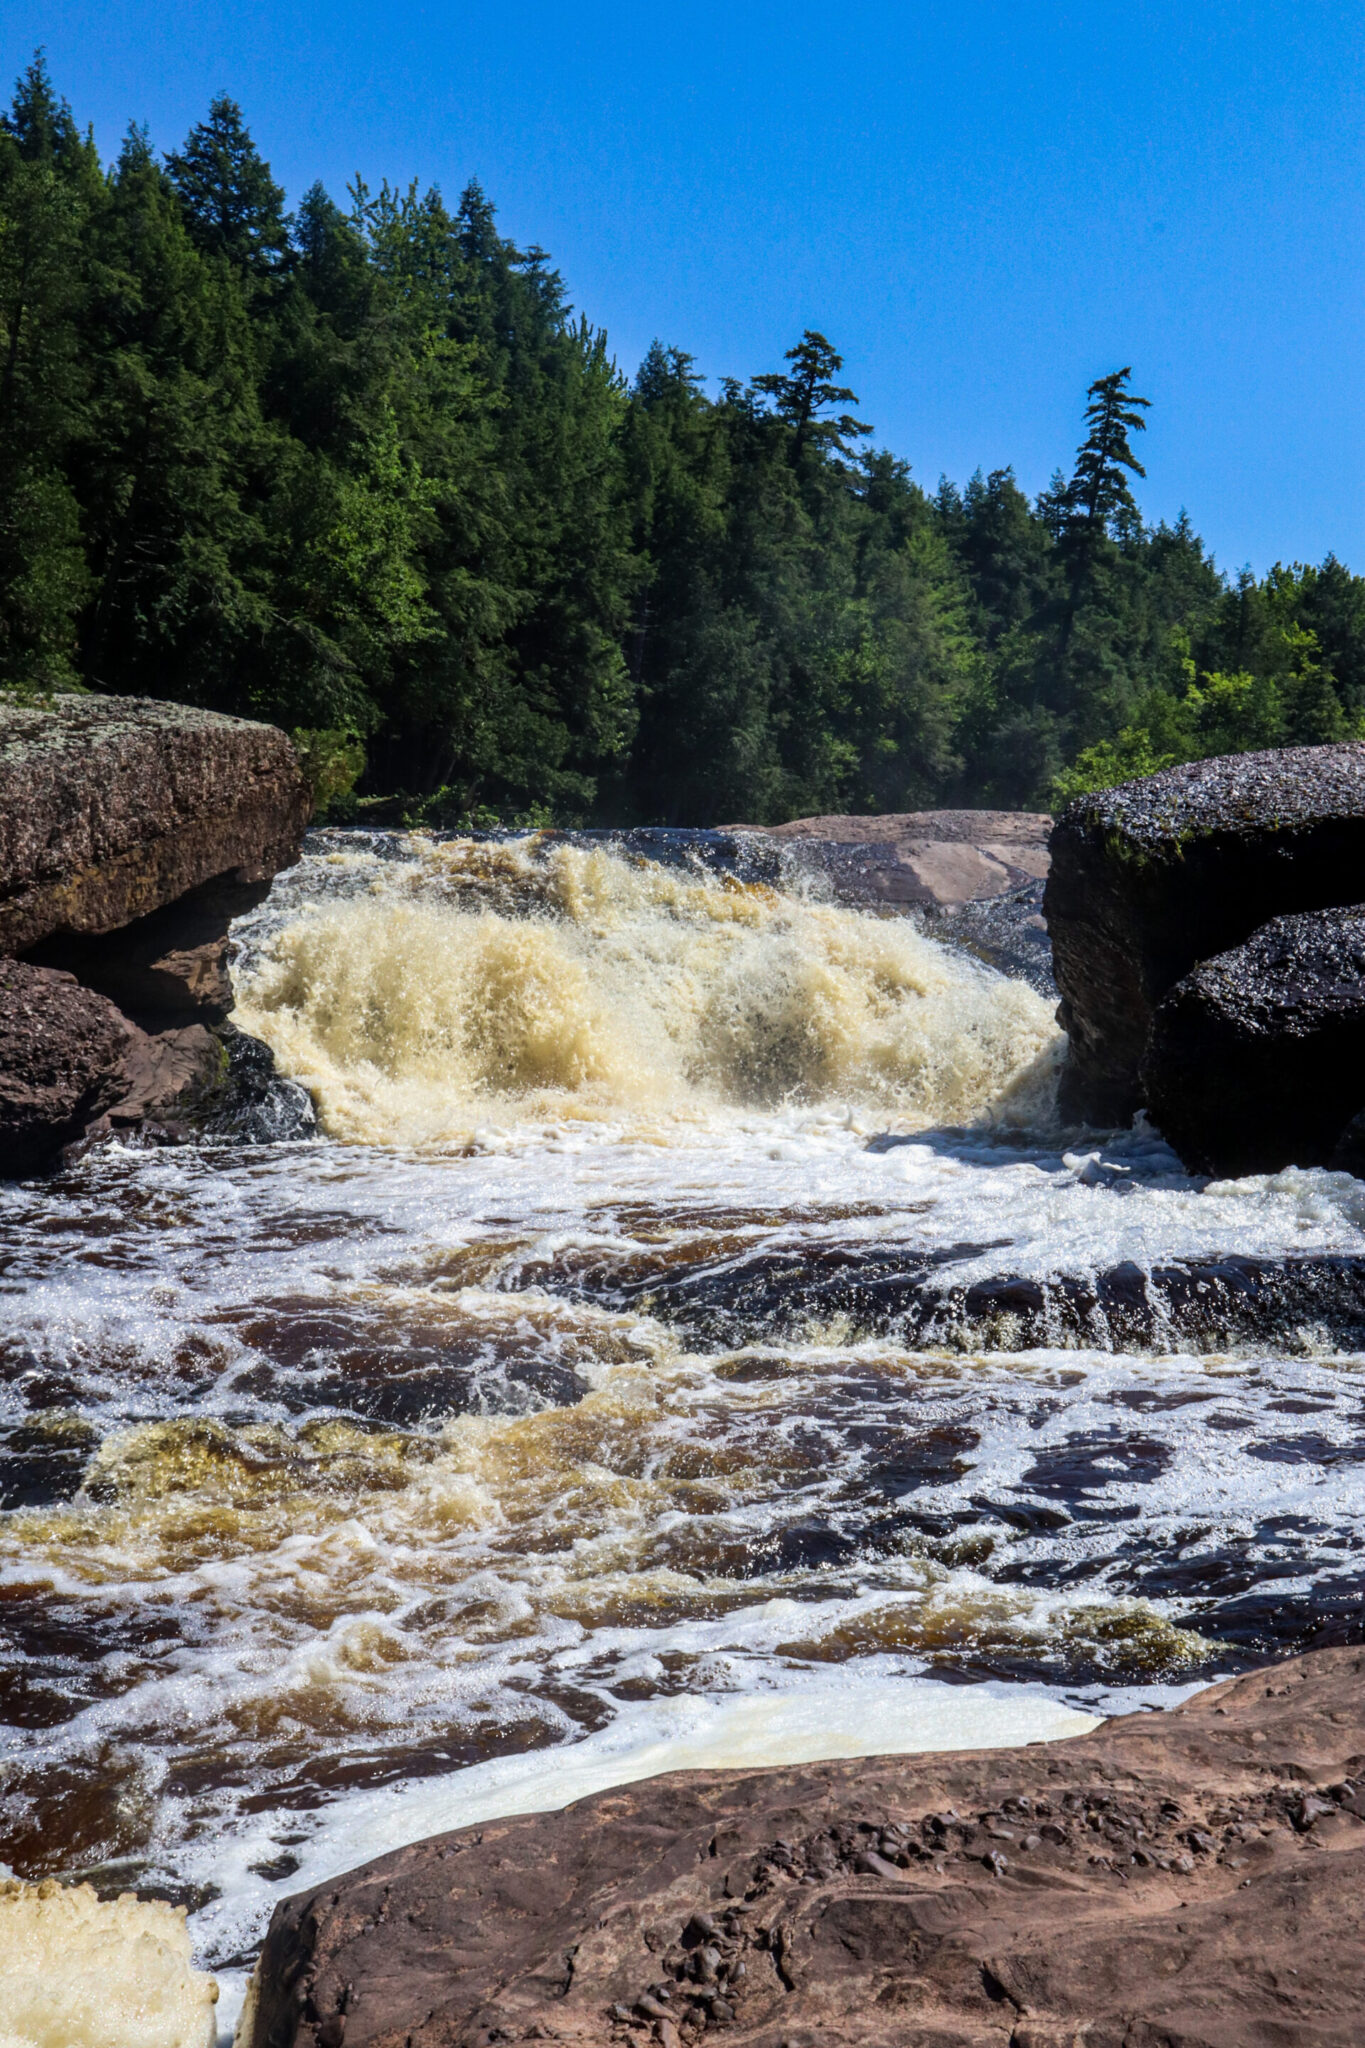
x: 603, y: 1390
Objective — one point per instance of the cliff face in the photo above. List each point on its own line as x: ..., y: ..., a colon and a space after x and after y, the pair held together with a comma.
x: 131, y: 833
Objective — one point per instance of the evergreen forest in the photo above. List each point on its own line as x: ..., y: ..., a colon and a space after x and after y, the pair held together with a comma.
x: 362, y: 470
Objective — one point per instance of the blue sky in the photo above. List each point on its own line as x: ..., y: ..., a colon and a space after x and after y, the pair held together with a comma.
x: 984, y: 206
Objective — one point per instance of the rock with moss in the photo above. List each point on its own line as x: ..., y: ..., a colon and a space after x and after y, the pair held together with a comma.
x: 1154, y: 876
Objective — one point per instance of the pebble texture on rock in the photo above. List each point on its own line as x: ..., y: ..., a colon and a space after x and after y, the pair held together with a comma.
x: 1154, y: 876
x: 1257, y: 1058
x: 112, y: 807
x: 1193, y: 1879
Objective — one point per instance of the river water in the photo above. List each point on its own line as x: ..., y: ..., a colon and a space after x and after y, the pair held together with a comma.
x: 690, y: 1341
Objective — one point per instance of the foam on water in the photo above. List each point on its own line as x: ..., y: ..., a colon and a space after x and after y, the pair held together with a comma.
x: 336, y: 1505
x: 471, y: 981
x: 78, y: 1972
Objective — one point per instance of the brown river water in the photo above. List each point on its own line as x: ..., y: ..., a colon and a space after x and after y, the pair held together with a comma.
x: 690, y: 1341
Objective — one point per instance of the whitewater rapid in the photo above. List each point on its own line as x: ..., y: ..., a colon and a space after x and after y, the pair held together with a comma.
x: 361, y: 1487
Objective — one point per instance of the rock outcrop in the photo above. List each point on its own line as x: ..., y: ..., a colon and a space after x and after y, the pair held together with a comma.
x: 1190, y: 1879
x: 928, y: 860
x: 112, y: 808
x: 131, y: 833
x: 62, y: 1050
x: 1257, y: 1057
x: 1155, y: 876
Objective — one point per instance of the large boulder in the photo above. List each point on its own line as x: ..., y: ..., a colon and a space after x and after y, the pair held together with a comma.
x: 1154, y: 876
x: 1256, y: 1060
x: 1188, y: 1878
x: 131, y: 833
x: 112, y: 808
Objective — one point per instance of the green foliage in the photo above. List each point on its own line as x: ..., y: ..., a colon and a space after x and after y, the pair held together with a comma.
x: 1221, y: 714
x: 363, y: 471
x: 333, y: 761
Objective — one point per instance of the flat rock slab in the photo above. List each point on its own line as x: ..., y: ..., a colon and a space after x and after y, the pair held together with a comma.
x: 113, y: 807
x: 1156, y: 875
x: 1193, y: 1879
x: 920, y: 859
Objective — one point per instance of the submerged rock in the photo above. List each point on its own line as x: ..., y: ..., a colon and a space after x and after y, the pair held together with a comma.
x: 1154, y: 876
x: 1257, y: 1058
x: 1188, y: 1877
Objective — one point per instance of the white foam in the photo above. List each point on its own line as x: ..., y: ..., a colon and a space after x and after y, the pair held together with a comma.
x: 871, y: 1708
x: 78, y: 1972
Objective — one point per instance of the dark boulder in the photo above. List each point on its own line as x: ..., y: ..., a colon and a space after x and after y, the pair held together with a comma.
x: 1256, y: 1059
x: 1154, y: 876
x: 1175, y: 1880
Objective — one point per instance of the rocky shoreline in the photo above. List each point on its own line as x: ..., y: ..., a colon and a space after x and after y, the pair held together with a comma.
x: 1190, y: 1879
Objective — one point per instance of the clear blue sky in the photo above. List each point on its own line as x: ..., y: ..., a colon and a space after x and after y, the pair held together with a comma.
x: 984, y: 206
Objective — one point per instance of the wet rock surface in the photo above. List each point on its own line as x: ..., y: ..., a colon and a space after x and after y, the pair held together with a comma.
x: 1257, y: 1057
x: 1152, y: 877
x: 1190, y: 1879
x: 912, y: 1295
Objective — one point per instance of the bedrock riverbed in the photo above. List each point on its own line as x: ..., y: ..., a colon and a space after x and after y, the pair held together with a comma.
x: 1183, y: 1880
x: 341, y: 1506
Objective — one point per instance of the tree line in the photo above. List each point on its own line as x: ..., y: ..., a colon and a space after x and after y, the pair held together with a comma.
x: 362, y: 470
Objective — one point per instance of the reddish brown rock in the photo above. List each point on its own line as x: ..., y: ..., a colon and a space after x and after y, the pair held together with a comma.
x: 112, y: 807
x: 131, y: 833
x: 1185, y: 1880
x: 62, y: 1049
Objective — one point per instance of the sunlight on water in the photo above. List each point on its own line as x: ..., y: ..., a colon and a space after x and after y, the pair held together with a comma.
x: 564, y: 1419
x: 593, y: 983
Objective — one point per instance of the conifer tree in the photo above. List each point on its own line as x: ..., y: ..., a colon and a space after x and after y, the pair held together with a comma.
x: 233, y: 205
x: 1099, y: 492
x: 801, y: 397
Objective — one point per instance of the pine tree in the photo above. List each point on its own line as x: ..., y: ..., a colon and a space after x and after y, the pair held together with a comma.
x: 802, y: 396
x: 1098, y: 492
x: 233, y: 205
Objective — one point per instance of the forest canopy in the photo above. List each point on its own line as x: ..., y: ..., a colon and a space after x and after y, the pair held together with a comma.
x: 361, y: 469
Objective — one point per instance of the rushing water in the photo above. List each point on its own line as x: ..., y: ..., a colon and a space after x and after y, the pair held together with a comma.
x: 633, y: 1375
